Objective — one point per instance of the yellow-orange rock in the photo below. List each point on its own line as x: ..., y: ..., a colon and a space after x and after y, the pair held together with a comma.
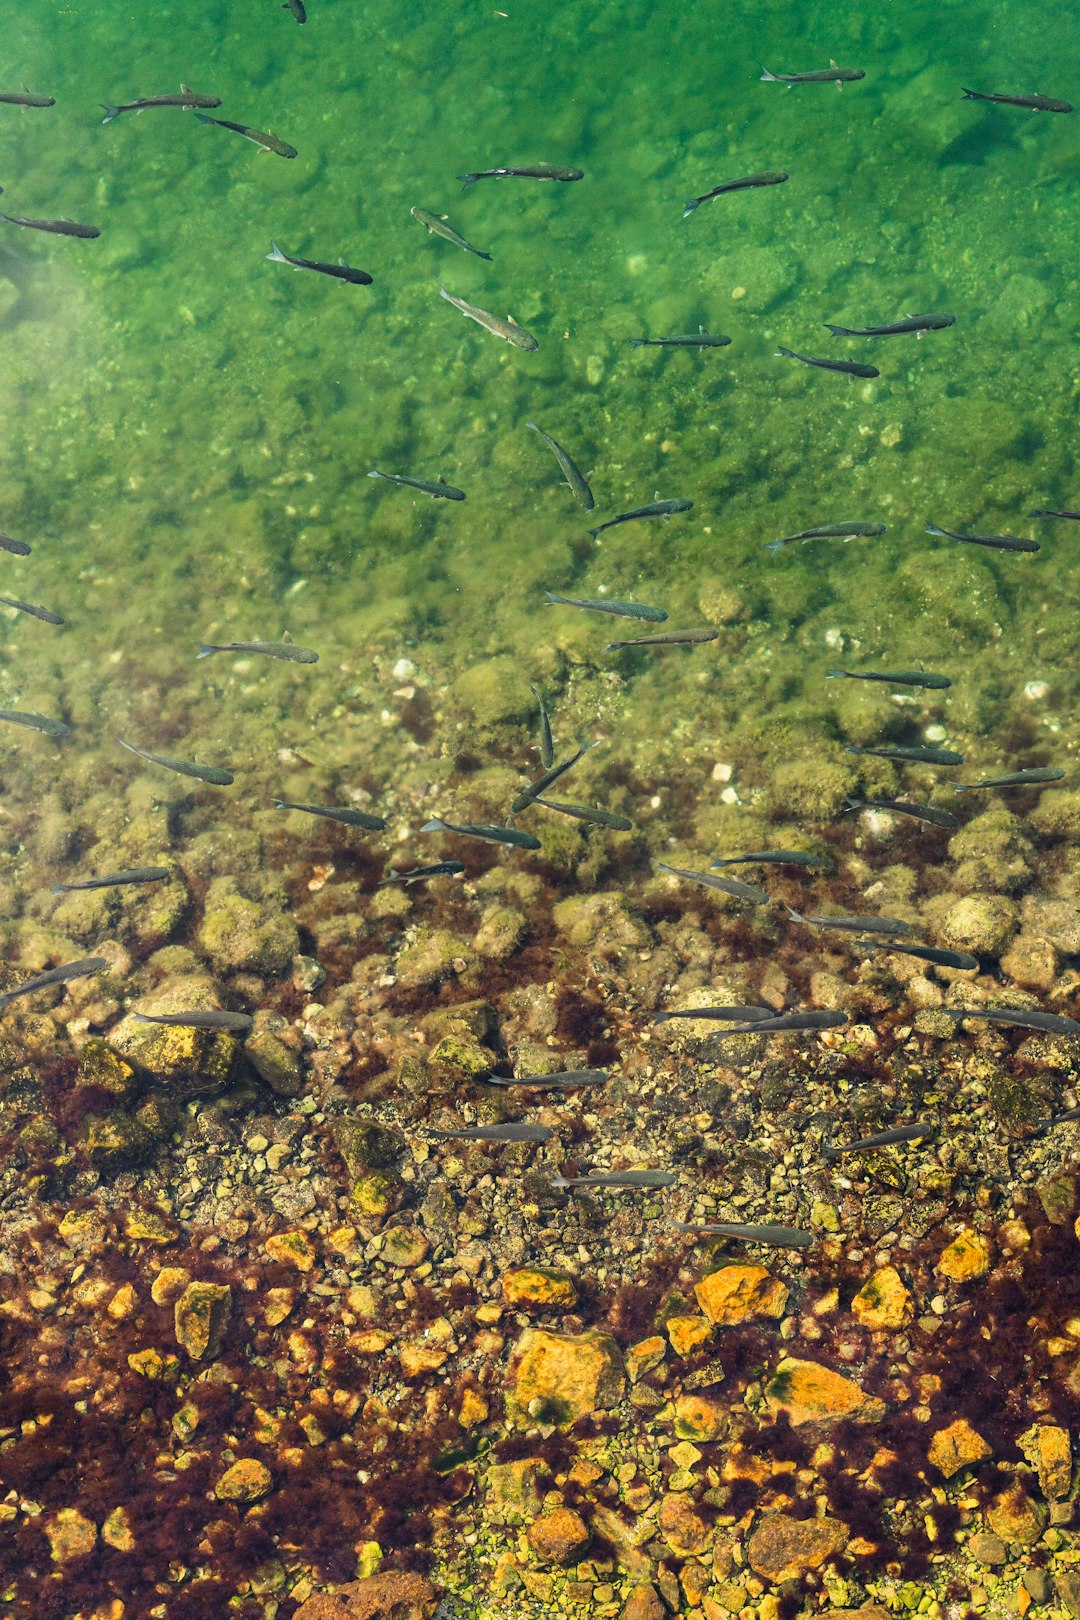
x: 741, y: 1294
x: 957, y: 1446
x: 966, y: 1259
x: 291, y: 1249
x: 782, y: 1548
x: 1052, y: 1456
x: 394, y: 1595
x: 644, y: 1356
x: 1016, y: 1517
x: 561, y: 1377
x: 559, y: 1537
x: 699, y: 1417
x: 883, y: 1301
x: 684, y: 1528
x: 688, y: 1333
x: 201, y: 1315
x: 536, y: 1288
x: 810, y: 1393
x: 245, y: 1481
x: 71, y: 1535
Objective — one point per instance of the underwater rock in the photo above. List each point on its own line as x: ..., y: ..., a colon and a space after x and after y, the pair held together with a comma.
x: 699, y: 1417
x: 559, y: 1537
x: 1016, y: 1517
x: 782, y: 1548
x: 201, y: 1315
x: 496, y: 690
x: 365, y: 1145
x: 189, y: 1062
x: 535, y: 1288
x: 1055, y: 920
x: 104, y: 1070
x: 115, y: 1141
x: 1031, y: 961
x: 687, y: 1333
x: 433, y: 955
x: 604, y: 924
x: 683, y: 1526
x: 883, y: 1301
x: 500, y: 933
x: 560, y: 1377
x: 810, y: 1393
x: 810, y: 789
x: 273, y: 1049
x: 644, y: 1603
x: 982, y: 924
x: 70, y: 1535
x: 404, y: 1247
x: 247, y: 1480
x: 957, y: 1446
x: 394, y: 1595
x: 966, y: 1258
x: 644, y: 1357
x: 240, y: 935
x: 740, y: 1294
x: 514, y: 1489
x: 992, y: 853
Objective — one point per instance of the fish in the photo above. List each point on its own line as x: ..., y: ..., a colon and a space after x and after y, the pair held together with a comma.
x: 800, y: 1019
x: 112, y: 880
x: 440, y: 490
x: 618, y: 1178
x: 347, y: 817
x: 1038, y: 773
x: 779, y: 1237
x: 851, y: 368
x: 910, y: 751
x: 901, y: 677
x: 768, y: 177
x: 296, y: 8
x: 188, y: 99
x: 419, y: 874
x: 437, y: 226
x: 496, y: 1133
x: 689, y: 340
x: 531, y: 171
x: 24, y: 98
x: 508, y: 330
x: 770, y: 857
x: 547, y: 745
x: 667, y: 638
x: 853, y: 924
x: 287, y: 651
x: 17, y: 548
x: 213, y: 1019
x: 909, y: 323
x: 830, y: 75
x: 552, y: 774
x: 622, y: 610
x: 81, y: 969
x: 726, y: 1015
x: 1043, y: 511
x: 663, y: 509
x: 36, y: 722
x: 183, y: 767
x: 831, y: 531
x: 55, y: 227
x: 1032, y: 103
x: 587, y: 812
x: 730, y: 886
x: 340, y: 271
x: 28, y: 607
x: 1023, y: 1018
x: 880, y: 1139
x: 927, y: 953
x: 902, y: 807
x: 562, y: 1079
x: 481, y: 829
x: 574, y: 477
x: 997, y: 542
x: 268, y: 143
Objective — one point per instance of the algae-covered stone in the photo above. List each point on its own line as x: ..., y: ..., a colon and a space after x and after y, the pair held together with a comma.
x: 1016, y: 1517
x: 1031, y: 961
x: 688, y: 1333
x: 957, y: 1446
x: 560, y: 1377
x: 966, y: 1258
x: 559, y: 1537
x: 603, y: 924
x: 699, y: 1417
x: 810, y: 1393
x: 377, y: 1193
x: 201, y: 1315
x: 683, y: 1525
x: 366, y: 1145
x: 1049, y: 1449
x: 883, y: 1301
x: 105, y: 1070
x: 991, y: 852
x: 500, y: 933
x: 240, y: 935
x: 291, y: 1249
x: 116, y: 1532
x: 115, y: 1141
x: 810, y: 790
x: 741, y: 1293
x: 496, y: 690
x: 70, y: 1535
x: 514, y: 1489
x: 982, y: 924
x: 189, y: 1062
x: 434, y: 954
x: 245, y: 1481
x: 273, y: 1050
x: 404, y: 1247
x: 536, y: 1288
x: 395, y: 1595
x: 783, y: 1548
x: 459, y: 1057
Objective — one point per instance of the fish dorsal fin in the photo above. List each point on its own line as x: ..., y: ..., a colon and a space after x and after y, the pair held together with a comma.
x: 186, y: 88
x: 833, y: 62
x: 285, y: 636
x: 510, y: 321
x: 440, y: 479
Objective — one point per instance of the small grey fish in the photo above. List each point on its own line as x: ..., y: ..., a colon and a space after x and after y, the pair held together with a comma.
x: 419, y: 874
x: 57, y: 975
x: 570, y: 471
x: 532, y: 171
x: 296, y: 8
x: 1038, y: 773
x: 687, y: 340
x: 440, y: 490
x: 830, y: 75
x: 768, y: 177
x: 725, y: 1015
x: 187, y: 99
x: 547, y: 745
x: 777, y: 1237
x: 769, y: 857
x: 481, y: 829
x: 340, y: 271
x: 347, y: 817
x: 268, y: 143
x: 112, y: 880
x: 437, y: 226
x: 287, y: 651
x: 667, y: 638
x: 588, y: 812
x: 54, y: 227
x: 28, y: 607
x: 926, y: 953
x: 35, y: 722
x: 850, y: 368
x: 618, y: 1178
x: 996, y: 542
x: 534, y: 789
x: 910, y: 323
x: 1032, y: 103
x: 893, y: 677
x: 18, y: 548
x: 832, y: 531
x: 730, y: 886
x: 183, y: 767
x: 622, y: 610
x: 910, y: 751
x: 562, y: 1080
x: 1044, y: 511
x: 24, y: 98
x: 508, y: 330
x: 1023, y: 1018
x: 903, y: 807
x: 496, y: 1133
x: 795, y: 1021
x: 662, y: 509
x: 880, y: 1139
x: 211, y: 1020
x: 854, y: 924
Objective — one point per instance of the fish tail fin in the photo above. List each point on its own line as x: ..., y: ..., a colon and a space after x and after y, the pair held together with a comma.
x: 637, y: 343
x: 480, y: 255
x: 838, y: 331
x: 276, y: 253
x: 436, y: 824
x: 774, y: 546
x: 375, y: 473
x: 279, y: 804
x: 795, y: 916
x: 969, y: 95
x: 767, y: 77
x: 932, y: 528
x: 552, y: 597
x: 836, y: 674
x: 788, y: 354
x: 205, y: 649
x: 688, y: 208
x: 110, y: 112
x: 596, y: 532
x: 201, y: 118
x: 468, y: 180
x: 559, y: 1181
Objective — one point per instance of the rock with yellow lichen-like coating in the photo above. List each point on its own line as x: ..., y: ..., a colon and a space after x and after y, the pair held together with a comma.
x: 810, y: 1393
x: 560, y: 1377
x: 740, y: 1293
x: 957, y: 1446
x: 201, y: 1315
x: 966, y: 1258
x: 883, y: 1301
x: 537, y: 1288
x: 244, y: 1481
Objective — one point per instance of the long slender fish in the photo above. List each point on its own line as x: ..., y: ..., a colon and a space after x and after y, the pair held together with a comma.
x: 268, y: 143
x: 769, y: 857
x: 777, y: 1237
x: 880, y: 1139
x: 1032, y: 103
x: 622, y: 610
x: 892, y: 677
x: 212, y: 1019
x: 1038, y: 773
x: 854, y: 924
x: 903, y: 807
x: 340, y: 271
x: 347, y: 817
x: 547, y: 745
x: 724, y: 1015
x: 831, y: 531
x: 35, y: 722
x: 910, y: 751
x: 573, y: 475
x: 927, y: 953
x: 188, y: 99
x: 57, y: 975
x: 997, y: 542
x: 496, y: 1133
x: 688, y: 340
x: 437, y: 226
x: 729, y: 886
x: 1043, y: 511
x: 114, y: 880
x: 420, y: 874
x: 24, y: 98
x: 910, y: 323
x: 830, y: 75
x: 18, y: 548
x: 28, y: 607
x: 663, y: 509
x: 618, y: 1178
x: 508, y: 330
x: 666, y: 638
x: 483, y: 830
x: 850, y: 368
x: 440, y: 490
x: 806, y: 1019
x: 768, y: 177
x: 530, y: 171
x: 562, y: 1080
x: 54, y: 227
x: 287, y: 651
x: 183, y: 767
x: 588, y: 812
x: 1023, y: 1018
x: 534, y: 789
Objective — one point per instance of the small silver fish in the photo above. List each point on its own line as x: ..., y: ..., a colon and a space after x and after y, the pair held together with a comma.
x: 915, y: 752
x: 770, y: 177
x: 531, y: 171
x: 287, y: 651
x: 338, y: 272
x: 618, y: 1178
x: 919, y: 324
x: 925, y: 953
x: 347, y: 817
x: 440, y: 490
x: 853, y: 924
x: 508, y: 330
x: 666, y: 638
x: 794, y: 1021
x: 847, y: 368
x: 661, y: 509
x: 575, y: 479
x: 830, y: 75
x: 268, y: 143
x: 683, y: 340
x: 730, y: 886
x: 482, y: 829
x: 17, y: 548
x: 28, y: 607
x: 892, y: 677
x: 996, y: 542
x: 535, y: 789
x: 188, y: 99
x: 727, y: 1015
x: 112, y: 880
x: 182, y: 767
x: 437, y: 226
x: 547, y: 745
x: 81, y: 969
x: 35, y: 722
x: 54, y: 227
x: 831, y: 531
x: 562, y: 1079
x: 901, y: 807
x: 586, y: 812
x: 778, y: 1237
x: 869, y: 1144
x: 24, y: 98
x: 210, y: 1020
x: 496, y: 1133
x: 769, y: 857
x: 1022, y: 1018
x: 1039, y: 773
x: 419, y: 874
x: 603, y: 604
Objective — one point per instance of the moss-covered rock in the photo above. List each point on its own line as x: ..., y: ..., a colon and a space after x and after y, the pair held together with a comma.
x: 434, y: 954
x: 115, y: 1141
x: 241, y: 935
x: 602, y: 923
x: 982, y: 923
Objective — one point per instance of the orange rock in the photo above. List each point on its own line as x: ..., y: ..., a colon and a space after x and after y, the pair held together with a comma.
x: 1015, y: 1517
x: 883, y: 1301
x: 559, y: 1537
x: 1053, y: 1459
x: 740, y: 1294
x: 561, y: 1377
x: 683, y: 1527
x: 966, y: 1259
x: 246, y: 1481
x: 644, y: 1357
x: 536, y: 1288
x: 390, y: 1596
x: 957, y: 1446
x: 810, y: 1393
x: 782, y: 1548
x: 699, y: 1417
x: 687, y: 1333
x: 644, y: 1603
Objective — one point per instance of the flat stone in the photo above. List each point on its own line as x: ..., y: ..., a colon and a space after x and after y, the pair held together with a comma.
x: 688, y: 1333
x: 644, y: 1603
x: 71, y: 1535
x: 514, y: 1489
x: 1016, y: 1517
x: 741, y: 1294
x: 883, y: 1301
x: 559, y: 1537
x: 957, y: 1446
x: 810, y: 1393
x: 394, y: 1595
x: 536, y: 1288
x: 247, y: 1480
x: 291, y: 1249
x: 560, y: 1377
x: 783, y: 1548
x: 966, y: 1258
x: 201, y: 1315
x: 685, y: 1529
x: 987, y: 1548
